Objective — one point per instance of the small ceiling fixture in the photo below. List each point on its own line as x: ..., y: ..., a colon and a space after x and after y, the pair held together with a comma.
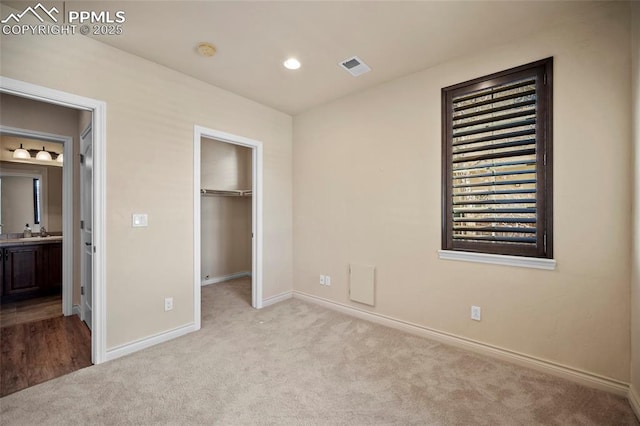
x: 59, y: 159
x: 291, y: 64
x: 354, y: 66
x: 206, y: 49
x: 43, y: 155
x: 21, y: 153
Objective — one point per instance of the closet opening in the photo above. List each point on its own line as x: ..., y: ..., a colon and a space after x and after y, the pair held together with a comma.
x: 225, y: 206
x: 227, y: 210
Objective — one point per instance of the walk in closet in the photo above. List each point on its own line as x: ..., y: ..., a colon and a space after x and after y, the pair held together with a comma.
x: 225, y: 211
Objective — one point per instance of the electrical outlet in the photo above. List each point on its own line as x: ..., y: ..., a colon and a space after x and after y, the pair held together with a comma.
x: 476, y: 313
x: 322, y: 280
x: 327, y: 280
x: 168, y: 303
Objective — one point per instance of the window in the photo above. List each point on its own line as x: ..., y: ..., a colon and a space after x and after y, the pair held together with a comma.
x: 497, y: 163
x: 36, y: 201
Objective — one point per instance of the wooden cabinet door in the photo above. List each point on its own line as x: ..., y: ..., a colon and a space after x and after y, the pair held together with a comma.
x: 52, y: 270
x: 2, y: 252
x: 22, y: 269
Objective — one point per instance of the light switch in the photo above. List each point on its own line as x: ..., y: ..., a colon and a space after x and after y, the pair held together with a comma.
x: 140, y: 220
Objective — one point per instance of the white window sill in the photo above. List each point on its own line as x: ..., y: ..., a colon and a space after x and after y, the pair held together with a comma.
x: 498, y: 259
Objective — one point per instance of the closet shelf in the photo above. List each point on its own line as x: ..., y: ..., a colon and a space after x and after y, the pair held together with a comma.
x: 226, y: 192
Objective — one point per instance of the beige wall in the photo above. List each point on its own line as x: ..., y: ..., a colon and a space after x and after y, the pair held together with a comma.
x: 635, y: 283
x: 225, y: 221
x: 151, y: 113
x: 224, y: 166
x: 225, y: 236
x: 27, y: 114
x: 367, y: 189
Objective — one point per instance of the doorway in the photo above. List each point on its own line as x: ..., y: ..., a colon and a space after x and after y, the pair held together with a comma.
x: 255, y: 148
x: 98, y: 243
x: 66, y: 142
x: 41, y: 338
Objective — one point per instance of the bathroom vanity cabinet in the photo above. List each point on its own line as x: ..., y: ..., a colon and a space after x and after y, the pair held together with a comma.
x: 30, y: 270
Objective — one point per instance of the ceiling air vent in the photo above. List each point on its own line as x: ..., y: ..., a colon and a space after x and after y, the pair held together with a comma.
x: 355, y: 66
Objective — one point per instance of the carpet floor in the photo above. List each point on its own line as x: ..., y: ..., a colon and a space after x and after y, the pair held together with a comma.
x: 295, y: 363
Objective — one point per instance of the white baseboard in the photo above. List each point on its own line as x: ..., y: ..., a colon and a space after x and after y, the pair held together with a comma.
x: 579, y: 376
x: 277, y: 298
x: 135, y: 346
x: 634, y: 400
x: 75, y: 310
x: 224, y: 278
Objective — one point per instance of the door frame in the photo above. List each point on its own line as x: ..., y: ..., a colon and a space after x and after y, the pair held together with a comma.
x: 99, y: 119
x: 67, y: 206
x: 200, y: 132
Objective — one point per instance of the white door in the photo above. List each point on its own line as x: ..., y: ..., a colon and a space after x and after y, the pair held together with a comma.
x: 86, y: 224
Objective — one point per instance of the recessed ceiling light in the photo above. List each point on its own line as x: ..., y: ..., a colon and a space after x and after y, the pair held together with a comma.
x: 291, y: 64
x: 206, y: 49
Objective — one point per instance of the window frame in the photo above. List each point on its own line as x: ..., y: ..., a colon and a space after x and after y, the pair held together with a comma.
x: 543, y: 71
x: 37, y: 200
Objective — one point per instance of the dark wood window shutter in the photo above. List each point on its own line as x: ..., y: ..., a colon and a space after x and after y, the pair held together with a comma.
x: 497, y: 168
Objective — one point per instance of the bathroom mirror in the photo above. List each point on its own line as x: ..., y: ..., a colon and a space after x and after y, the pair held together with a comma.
x: 20, y: 202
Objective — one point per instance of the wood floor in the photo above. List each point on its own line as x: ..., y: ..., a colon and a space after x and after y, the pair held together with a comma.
x: 30, y: 310
x: 34, y: 351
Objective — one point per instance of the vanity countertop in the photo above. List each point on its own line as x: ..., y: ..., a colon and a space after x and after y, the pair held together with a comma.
x: 30, y: 241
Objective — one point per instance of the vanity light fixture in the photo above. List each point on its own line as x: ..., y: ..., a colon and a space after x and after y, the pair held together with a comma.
x: 43, y: 155
x: 21, y: 153
x: 291, y: 64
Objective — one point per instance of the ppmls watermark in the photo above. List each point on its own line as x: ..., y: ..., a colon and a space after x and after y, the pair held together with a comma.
x: 85, y: 22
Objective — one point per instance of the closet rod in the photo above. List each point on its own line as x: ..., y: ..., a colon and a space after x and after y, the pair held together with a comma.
x: 227, y: 193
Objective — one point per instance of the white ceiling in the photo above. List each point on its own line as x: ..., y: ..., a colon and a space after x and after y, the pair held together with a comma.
x: 254, y: 38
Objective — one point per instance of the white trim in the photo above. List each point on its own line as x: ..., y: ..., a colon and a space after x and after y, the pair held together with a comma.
x: 197, y: 268
x: 256, y: 206
x: 277, y: 298
x: 67, y: 229
x: 634, y: 400
x: 140, y: 344
x: 99, y: 117
x: 67, y: 206
x: 75, y: 310
x: 498, y: 259
x: 224, y: 278
x: 256, y: 225
x: 99, y: 289
x: 576, y: 375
